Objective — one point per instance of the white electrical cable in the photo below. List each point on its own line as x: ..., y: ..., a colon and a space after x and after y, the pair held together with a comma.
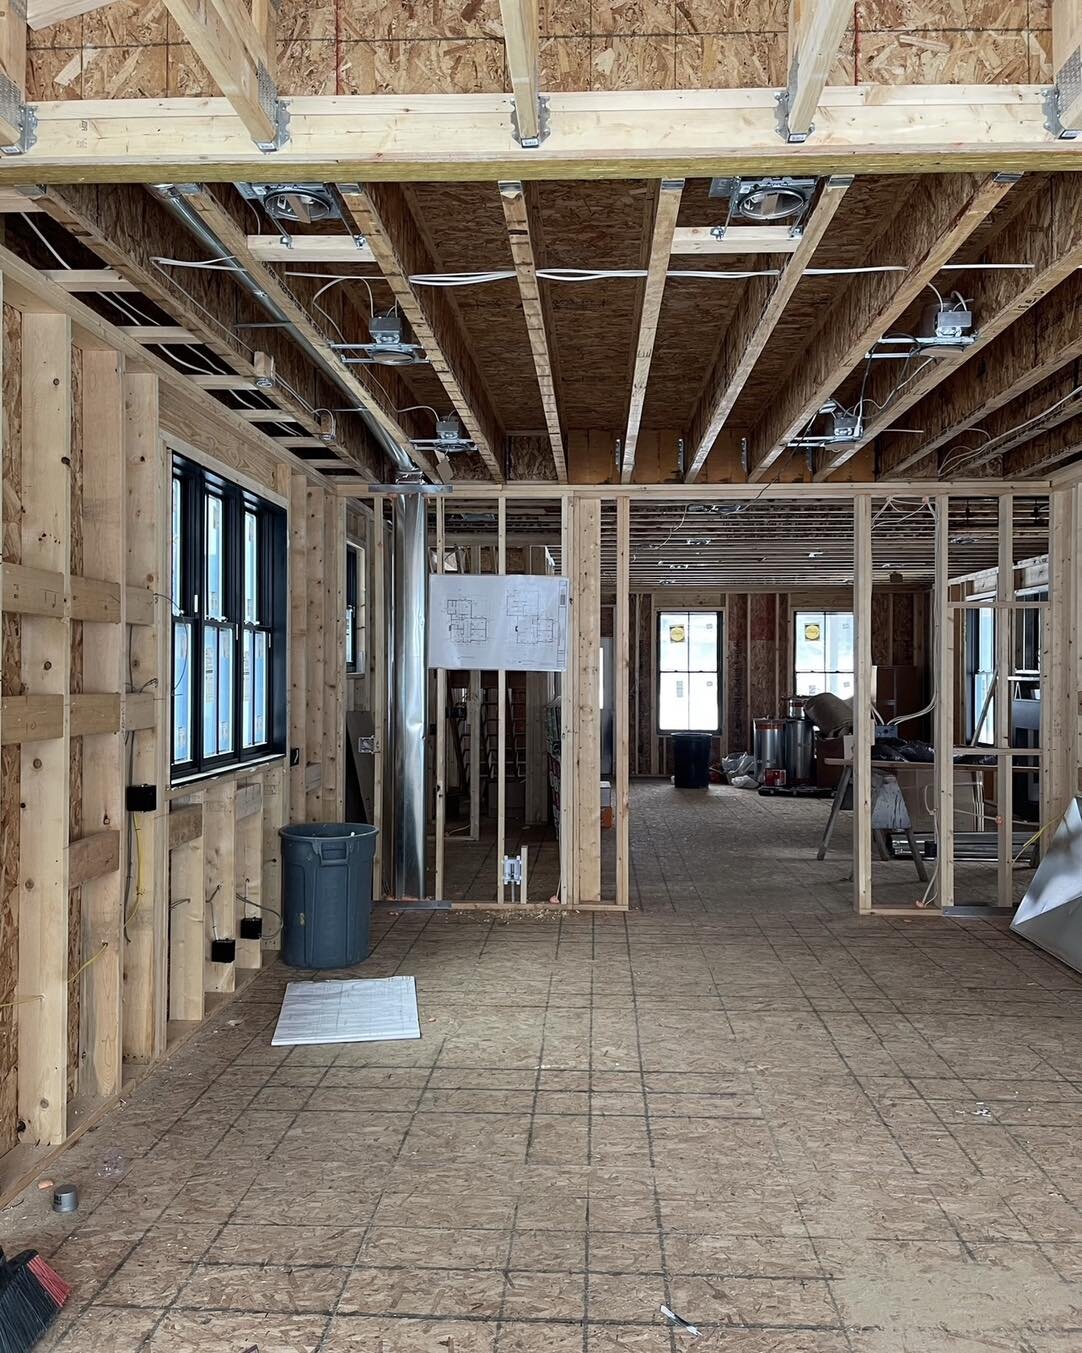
x: 974, y: 453
x: 223, y: 263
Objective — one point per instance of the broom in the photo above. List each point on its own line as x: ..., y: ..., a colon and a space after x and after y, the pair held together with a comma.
x: 31, y: 1295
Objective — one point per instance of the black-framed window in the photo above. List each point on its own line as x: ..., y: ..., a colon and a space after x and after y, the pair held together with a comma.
x: 356, y: 617
x: 229, y: 551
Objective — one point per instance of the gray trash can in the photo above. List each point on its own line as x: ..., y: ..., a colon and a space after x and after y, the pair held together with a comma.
x: 326, y: 893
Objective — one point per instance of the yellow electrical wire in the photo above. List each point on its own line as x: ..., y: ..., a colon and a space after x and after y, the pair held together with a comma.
x: 138, y: 875
x: 1026, y: 844
x: 24, y: 1000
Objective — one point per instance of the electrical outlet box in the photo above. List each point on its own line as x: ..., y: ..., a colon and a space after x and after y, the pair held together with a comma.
x: 141, y: 798
x: 223, y: 951
x: 294, y: 756
x: 251, y: 927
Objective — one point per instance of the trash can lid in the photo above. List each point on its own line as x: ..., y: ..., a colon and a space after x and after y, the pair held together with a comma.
x: 323, y: 831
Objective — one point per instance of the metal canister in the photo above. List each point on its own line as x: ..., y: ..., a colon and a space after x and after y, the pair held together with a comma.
x: 769, y: 743
x: 794, y: 706
x: 65, y: 1198
x: 798, y: 750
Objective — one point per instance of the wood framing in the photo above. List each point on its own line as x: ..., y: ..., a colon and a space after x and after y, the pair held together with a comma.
x: 440, y: 770
x: 585, y: 654
x: 622, y: 698
x: 1004, y: 717
x: 750, y: 330
x: 46, y: 423
x: 501, y: 719
x: 816, y: 28
x: 521, y: 38
x: 951, y: 391
x: 1067, y: 61
x: 381, y: 214
x: 12, y: 71
x: 938, y: 219
x: 517, y: 215
x: 228, y: 43
x: 665, y: 214
x: 862, y: 704
x: 612, y: 134
x: 943, y: 650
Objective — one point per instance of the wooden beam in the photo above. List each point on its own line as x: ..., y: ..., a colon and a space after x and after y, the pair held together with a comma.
x: 751, y: 327
x: 522, y: 41
x: 936, y: 220
x: 611, y: 134
x: 44, y: 13
x: 1045, y: 452
x: 12, y: 72
x: 517, y: 216
x: 94, y: 857
x: 298, y: 249
x: 665, y: 214
x: 740, y: 240
x: 98, y: 280
x: 1067, y: 61
x: 585, y: 655
x: 298, y: 646
x: 943, y: 659
x: 367, y: 390
x: 45, y: 528
x: 1004, y: 688
x: 381, y: 213
x: 31, y: 718
x: 862, y: 705
x: 166, y: 334
x: 622, y: 702
x: 185, y: 824
x: 816, y: 28
x: 127, y: 228
x: 227, y: 42
x: 1047, y: 233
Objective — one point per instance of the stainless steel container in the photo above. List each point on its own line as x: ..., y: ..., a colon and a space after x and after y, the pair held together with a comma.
x: 798, y: 750
x: 769, y: 743
x: 794, y: 706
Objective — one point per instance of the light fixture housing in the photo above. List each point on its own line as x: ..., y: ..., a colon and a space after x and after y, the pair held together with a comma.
x: 293, y: 204
x: 766, y: 201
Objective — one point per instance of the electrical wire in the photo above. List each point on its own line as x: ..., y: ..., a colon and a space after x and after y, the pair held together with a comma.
x: 947, y: 467
x: 251, y: 902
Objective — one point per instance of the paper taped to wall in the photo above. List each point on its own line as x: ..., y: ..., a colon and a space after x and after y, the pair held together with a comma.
x: 510, y: 623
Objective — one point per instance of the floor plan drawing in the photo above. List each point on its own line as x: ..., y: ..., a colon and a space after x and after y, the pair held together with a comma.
x: 498, y: 622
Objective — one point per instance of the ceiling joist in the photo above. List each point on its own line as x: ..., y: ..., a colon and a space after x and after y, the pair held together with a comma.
x: 923, y: 237
x: 665, y: 214
x: 751, y: 327
x: 380, y: 212
x: 517, y: 217
x: 1046, y: 233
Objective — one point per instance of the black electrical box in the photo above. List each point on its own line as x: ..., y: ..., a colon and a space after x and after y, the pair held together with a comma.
x: 141, y: 798
x: 223, y: 951
x: 294, y: 756
x: 251, y: 927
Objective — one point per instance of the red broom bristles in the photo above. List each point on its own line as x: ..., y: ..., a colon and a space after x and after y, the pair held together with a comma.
x: 50, y: 1280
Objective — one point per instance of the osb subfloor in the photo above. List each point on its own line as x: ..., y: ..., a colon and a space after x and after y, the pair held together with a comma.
x: 804, y: 1132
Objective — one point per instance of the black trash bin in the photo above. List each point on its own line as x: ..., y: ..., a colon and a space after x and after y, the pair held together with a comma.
x: 326, y: 893
x: 691, y: 760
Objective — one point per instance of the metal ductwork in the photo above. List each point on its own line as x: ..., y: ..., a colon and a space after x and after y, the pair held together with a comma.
x: 406, y: 618
x: 409, y: 721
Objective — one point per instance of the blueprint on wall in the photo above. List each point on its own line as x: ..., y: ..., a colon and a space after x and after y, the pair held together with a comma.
x: 513, y: 623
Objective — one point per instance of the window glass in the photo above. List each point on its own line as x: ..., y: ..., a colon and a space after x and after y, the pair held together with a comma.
x: 215, y: 565
x: 823, y: 650
x: 251, y: 567
x: 210, y: 692
x: 182, y: 692
x: 689, y: 678
x: 228, y: 693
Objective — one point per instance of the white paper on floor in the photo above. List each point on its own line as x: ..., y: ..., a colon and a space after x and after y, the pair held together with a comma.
x: 368, y: 1010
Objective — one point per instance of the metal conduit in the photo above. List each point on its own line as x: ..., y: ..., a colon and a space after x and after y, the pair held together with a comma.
x: 406, y: 619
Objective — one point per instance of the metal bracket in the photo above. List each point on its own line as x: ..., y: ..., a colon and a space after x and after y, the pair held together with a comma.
x: 532, y: 142
x: 366, y: 743
x: 275, y: 108
x: 512, y: 870
x: 15, y: 109
x: 784, y: 131
x: 1067, y: 87
x: 681, y: 447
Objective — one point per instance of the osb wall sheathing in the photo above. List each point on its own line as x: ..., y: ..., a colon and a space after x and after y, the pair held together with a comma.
x: 9, y: 756
x: 134, y: 49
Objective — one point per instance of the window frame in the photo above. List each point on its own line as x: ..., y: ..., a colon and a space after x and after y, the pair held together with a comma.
x: 823, y: 611
x: 198, y: 484
x: 356, y: 617
x: 719, y: 669
x: 973, y: 671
